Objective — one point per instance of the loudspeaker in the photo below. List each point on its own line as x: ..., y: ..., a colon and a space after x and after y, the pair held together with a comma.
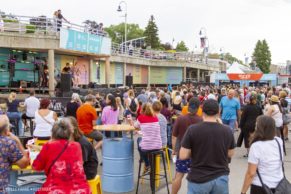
x: 24, y: 56
x: 128, y: 80
x: 66, y: 82
x: 207, y: 78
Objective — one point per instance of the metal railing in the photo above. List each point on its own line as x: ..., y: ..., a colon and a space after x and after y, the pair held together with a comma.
x: 130, y: 51
x: 41, y: 25
x: 189, y: 57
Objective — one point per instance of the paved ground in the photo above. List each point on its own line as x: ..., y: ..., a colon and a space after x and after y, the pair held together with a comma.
x: 237, y: 171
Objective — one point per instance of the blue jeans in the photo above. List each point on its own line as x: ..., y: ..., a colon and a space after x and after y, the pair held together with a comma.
x: 17, y: 115
x: 216, y: 186
x: 143, y: 153
x: 230, y: 123
x: 169, y: 134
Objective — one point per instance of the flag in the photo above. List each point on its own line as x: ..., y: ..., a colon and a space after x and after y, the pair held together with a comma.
x: 202, y: 42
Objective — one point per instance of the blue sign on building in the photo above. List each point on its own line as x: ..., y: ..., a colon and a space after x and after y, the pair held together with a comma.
x: 84, y: 42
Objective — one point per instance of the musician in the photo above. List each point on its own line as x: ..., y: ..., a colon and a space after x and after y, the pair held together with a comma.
x: 45, y: 76
x: 67, y: 68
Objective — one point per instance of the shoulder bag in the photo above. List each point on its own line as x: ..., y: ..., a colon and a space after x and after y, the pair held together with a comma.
x: 54, y: 161
x: 52, y: 124
x: 284, y: 187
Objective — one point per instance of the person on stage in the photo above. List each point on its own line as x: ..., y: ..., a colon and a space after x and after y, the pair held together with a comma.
x: 67, y: 68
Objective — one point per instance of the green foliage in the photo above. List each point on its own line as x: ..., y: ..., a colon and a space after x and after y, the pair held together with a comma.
x: 214, y: 56
x: 181, y: 47
x: 10, y: 21
x: 30, y: 29
x: 262, y: 56
x: 166, y: 46
x: 151, y: 33
x: 116, y: 32
x: 231, y: 59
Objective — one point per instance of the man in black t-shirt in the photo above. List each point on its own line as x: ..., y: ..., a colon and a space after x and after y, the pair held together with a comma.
x: 209, y: 144
x: 180, y: 127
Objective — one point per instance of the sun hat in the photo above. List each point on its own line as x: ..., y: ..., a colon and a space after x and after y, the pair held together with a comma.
x: 274, y: 98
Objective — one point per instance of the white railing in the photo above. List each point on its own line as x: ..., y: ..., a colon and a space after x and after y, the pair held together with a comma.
x: 41, y: 25
x: 190, y: 57
x: 153, y: 54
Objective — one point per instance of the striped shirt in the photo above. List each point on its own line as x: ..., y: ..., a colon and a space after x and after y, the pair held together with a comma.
x: 150, y: 129
x: 163, y: 126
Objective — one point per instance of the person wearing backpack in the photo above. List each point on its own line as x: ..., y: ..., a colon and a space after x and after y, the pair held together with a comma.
x: 131, y: 104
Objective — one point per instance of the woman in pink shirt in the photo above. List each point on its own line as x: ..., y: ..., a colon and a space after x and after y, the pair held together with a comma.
x: 151, y: 139
x: 110, y: 113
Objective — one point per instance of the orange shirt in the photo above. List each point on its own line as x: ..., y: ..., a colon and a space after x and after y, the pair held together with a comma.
x: 185, y: 111
x: 86, y: 114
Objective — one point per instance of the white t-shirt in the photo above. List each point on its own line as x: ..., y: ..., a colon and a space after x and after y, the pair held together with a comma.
x: 32, y: 105
x: 266, y: 155
x: 43, y: 126
x: 211, y: 96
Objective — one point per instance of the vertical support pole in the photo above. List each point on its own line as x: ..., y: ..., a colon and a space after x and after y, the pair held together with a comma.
x: 51, y: 66
x: 198, y: 75
x: 149, y: 76
x: 124, y: 74
x: 185, y: 74
x: 107, y: 71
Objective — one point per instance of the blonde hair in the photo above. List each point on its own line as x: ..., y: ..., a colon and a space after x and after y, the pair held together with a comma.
x: 131, y: 93
x: 147, y: 109
x: 12, y: 97
x: 118, y: 101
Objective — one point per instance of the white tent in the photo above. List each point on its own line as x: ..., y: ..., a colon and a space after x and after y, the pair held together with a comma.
x: 235, y: 68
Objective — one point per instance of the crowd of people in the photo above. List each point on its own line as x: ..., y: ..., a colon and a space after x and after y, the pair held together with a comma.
x: 198, y: 123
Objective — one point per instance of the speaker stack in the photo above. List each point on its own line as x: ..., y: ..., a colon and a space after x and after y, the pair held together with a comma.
x: 66, y: 84
x: 129, y: 80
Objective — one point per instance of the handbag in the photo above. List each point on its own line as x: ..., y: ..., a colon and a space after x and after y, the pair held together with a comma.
x: 284, y: 187
x: 286, y: 118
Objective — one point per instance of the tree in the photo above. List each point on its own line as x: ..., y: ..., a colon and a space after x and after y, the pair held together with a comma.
x: 181, y: 46
x: 231, y: 59
x: 166, y: 46
x: 151, y: 34
x: 262, y: 56
x: 116, y: 32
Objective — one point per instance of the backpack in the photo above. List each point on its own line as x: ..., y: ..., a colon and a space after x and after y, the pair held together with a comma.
x: 133, y: 105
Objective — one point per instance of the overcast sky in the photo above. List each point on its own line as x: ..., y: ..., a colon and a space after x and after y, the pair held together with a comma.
x: 234, y: 25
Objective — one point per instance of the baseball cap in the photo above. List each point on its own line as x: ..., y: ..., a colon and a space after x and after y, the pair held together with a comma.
x: 210, y: 107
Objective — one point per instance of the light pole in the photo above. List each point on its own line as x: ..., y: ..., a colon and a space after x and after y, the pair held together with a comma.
x: 125, y: 23
x: 125, y: 37
x: 204, y: 42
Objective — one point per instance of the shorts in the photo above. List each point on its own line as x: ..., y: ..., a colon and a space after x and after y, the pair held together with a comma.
x: 96, y: 135
x: 26, y: 117
x: 183, y: 166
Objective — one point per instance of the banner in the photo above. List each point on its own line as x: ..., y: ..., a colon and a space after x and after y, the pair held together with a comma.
x: 84, y: 42
x: 245, y: 76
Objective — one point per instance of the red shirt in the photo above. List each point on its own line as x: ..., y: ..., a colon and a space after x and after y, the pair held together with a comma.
x: 86, y: 114
x: 67, y: 173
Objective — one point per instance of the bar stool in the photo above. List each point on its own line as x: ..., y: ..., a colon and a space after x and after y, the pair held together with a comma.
x: 31, y: 125
x: 153, y: 174
x: 14, y: 127
x: 95, y: 185
x: 158, y: 170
